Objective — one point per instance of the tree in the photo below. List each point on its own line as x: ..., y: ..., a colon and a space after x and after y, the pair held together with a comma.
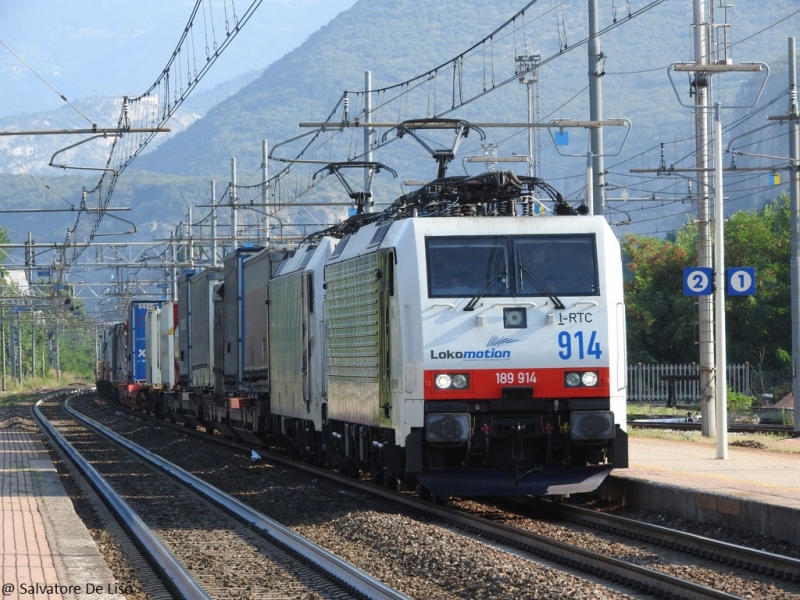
x: 662, y: 322
x: 660, y: 319
x: 759, y: 326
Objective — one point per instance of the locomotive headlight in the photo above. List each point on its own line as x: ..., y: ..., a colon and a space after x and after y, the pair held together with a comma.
x: 460, y: 381
x: 451, y: 381
x: 581, y: 378
x: 447, y: 427
x: 443, y: 381
x: 591, y: 425
x: 589, y: 379
x: 515, y: 317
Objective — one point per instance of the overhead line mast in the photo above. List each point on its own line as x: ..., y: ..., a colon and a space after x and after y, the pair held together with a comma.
x: 704, y: 244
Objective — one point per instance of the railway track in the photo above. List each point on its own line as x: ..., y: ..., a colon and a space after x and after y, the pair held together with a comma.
x: 665, y: 572
x: 683, y: 425
x: 203, y: 543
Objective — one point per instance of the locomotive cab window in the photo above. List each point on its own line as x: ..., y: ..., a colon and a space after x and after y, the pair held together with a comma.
x: 563, y: 265
x: 486, y: 266
x: 466, y: 266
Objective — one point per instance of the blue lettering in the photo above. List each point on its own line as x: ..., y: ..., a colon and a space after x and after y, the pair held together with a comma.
x: 470, y: 354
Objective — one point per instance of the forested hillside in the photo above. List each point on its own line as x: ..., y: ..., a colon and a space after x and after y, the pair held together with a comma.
x: 399, y: 39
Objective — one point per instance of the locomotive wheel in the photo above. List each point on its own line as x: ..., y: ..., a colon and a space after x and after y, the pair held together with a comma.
x: 440, y: 499
x: 378, y: 477
x: 390, y: 480
x: 424, y: 493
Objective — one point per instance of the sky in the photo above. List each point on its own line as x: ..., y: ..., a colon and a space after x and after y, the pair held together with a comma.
x: 109, y: 48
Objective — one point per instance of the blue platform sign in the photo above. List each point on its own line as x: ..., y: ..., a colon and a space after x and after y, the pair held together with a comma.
x: 697, y: 281
x: 741, y: 281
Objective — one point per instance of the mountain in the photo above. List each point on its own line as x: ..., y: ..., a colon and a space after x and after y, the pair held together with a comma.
x: 32, y: 154
x: 109, y: 49
x: 400, y: 39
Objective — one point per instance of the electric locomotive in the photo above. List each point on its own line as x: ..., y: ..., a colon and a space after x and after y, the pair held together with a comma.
x: 463, y: 343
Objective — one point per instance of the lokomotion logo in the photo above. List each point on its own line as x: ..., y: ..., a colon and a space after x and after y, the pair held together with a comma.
x: 491, y: 352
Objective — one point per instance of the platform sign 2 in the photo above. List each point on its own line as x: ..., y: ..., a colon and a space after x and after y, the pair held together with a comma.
x: 741, y: 281
x: 697, y: 281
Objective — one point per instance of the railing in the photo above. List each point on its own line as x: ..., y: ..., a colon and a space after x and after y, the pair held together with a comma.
x: 652, y: 382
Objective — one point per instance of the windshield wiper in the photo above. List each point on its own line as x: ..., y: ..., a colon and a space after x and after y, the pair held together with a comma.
x: 486, y: 286
x: 541, y: 286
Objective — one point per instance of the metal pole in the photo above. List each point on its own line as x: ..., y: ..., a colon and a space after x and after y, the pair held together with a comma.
x: 232, y: 197
x: 12, y: 347
x: 719, y: 292
x: 794, y: 190
x: 589, y: 182
x: 265, y: 188
x: 33, y: 346
x: 596, y: 59
x: 58, y: 355
x: 369, y: 133
x: 214, y: 260
x: 29, y: 258
x: 174, y: 283
x: 704, y: 245
x: 190, y: 245
x: 531, y: 169
x: 19, y: 346
x: 3, y: 327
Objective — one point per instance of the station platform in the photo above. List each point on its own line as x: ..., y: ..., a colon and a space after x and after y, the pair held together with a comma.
x: 47, y: 551
x: 752, y: 490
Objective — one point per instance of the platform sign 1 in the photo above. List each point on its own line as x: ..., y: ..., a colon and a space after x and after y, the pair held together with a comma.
x: 741, y: 281
x: 697, y: 281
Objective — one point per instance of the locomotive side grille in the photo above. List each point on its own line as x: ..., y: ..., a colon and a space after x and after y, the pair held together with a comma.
x: 352, y: 319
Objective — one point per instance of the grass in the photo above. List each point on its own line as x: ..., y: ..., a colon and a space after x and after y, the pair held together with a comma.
x: 14, y: 391
x: 766, y: 441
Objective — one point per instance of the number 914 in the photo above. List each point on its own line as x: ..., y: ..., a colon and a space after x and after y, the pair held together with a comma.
x: 578, y: 344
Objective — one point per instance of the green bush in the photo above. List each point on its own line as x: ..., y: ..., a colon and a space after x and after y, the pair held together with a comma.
x: 738, y: 402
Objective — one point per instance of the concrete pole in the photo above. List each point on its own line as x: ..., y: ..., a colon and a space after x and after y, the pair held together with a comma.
x: 794, y: 190
x: 596, y: 58
x: 704, y: 244
x: 719, y: 293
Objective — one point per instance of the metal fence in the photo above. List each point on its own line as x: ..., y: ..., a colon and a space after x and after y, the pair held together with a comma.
x: 653, y: 383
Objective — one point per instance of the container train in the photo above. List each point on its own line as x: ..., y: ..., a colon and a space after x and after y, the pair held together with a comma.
x: 459, y: 342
